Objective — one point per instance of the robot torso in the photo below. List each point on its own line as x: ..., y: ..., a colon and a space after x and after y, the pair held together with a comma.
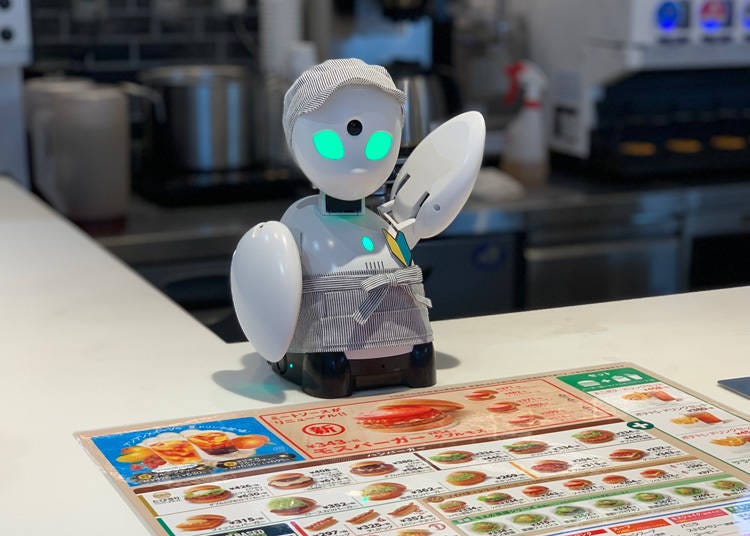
x: 330, y: 244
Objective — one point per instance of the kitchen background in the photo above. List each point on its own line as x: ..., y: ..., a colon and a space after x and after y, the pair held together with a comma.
x: 645, y: 105
x: 112, y: 39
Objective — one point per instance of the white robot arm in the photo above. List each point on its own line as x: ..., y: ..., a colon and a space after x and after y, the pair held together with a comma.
x: 437, y: 178
x: 266, y: 281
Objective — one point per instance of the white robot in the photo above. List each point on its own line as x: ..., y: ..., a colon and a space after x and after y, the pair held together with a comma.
x: 329, y: 295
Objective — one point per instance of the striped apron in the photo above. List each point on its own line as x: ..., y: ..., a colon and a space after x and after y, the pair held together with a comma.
x: 362, y: 309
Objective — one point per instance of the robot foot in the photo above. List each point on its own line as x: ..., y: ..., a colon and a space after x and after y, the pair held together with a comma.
x: 332, y: 375
x: 322, y: 374
x: 421, y: 370
x: 327, y: 375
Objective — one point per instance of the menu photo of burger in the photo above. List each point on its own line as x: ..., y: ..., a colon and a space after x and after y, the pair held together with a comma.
x: 206, y: 493
x: 615, y: 480
x: 611, y: 504
x: 594, y: 437
x: 578, y: 484
x: 528, y: 519
x: 382, y: 491
x: 291, y: 506
x: 627, y: 455
x: 287, y: 481
x: 465, y: 478
x: 201, y: 522
x: 486, y: 527
x: 550, y: 466
x: 526, y: 447
x: 372, y: 468
x: 570, y: 511
x: 495, y: 497
x: 410, y: 415
x: 535, y: 491
x: 653, y: 473
x: 689, y: 491
x: 729, y: 486
x: 650, y: 497
x: 452, y: 457
x: 451, y: 506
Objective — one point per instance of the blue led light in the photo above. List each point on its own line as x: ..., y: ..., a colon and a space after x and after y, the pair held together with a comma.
x: 711, y: 25
x: 668, y: 15
x: 291, y: 365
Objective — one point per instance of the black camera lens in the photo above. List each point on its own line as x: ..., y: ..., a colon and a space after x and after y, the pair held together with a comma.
x: 354, y: 127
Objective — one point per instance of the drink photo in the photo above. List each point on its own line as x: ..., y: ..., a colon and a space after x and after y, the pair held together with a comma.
x: 663, y: 396
x: 173, y: 449
x: 213, y: 442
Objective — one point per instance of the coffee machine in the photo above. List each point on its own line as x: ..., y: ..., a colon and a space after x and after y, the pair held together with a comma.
x: 15, y: 52
x: 413, y: 40
x: 382, y: 31
x: 644, y: 87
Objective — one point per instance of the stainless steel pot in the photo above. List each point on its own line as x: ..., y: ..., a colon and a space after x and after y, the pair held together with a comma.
x: 425, y: 102
x: 208, y: 116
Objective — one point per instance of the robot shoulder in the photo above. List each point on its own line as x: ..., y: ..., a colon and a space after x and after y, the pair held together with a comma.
x: 301, y: 212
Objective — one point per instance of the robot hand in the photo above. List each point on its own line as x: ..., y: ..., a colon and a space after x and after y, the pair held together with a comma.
x: 266, y: 280
x: 437, y: 178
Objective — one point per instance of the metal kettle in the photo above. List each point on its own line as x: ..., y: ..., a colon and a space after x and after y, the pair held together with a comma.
x: 426, y: 105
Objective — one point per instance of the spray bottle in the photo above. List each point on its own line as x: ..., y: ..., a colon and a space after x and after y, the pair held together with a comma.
x: 526, y: 156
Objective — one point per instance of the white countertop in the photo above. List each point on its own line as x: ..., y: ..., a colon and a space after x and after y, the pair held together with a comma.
x: 85, y: 344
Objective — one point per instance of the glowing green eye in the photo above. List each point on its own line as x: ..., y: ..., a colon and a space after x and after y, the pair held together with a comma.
x: 328, y: 144
x: 378, y: 145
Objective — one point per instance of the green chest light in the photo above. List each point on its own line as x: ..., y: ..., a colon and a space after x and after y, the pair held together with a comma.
x: 367, y: 243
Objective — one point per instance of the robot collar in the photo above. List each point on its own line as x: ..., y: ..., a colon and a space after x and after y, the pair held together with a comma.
x: 331, y: 206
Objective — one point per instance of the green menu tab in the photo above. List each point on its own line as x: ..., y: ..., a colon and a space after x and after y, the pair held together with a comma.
x: 607, y: 379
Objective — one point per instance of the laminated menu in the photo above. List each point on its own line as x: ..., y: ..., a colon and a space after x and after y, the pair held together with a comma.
x: 599, y: 451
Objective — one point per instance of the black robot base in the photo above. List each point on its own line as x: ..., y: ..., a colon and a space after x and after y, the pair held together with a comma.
x: 332, y: 375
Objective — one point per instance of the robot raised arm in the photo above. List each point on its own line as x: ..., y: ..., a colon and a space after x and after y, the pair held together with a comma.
x: 266, y: 280
x: 437, y: 178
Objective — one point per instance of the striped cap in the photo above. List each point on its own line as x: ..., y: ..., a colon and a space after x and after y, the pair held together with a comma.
x: 314, y: 86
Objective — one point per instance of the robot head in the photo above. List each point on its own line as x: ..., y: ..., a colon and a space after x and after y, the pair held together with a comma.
x: 342, y: 121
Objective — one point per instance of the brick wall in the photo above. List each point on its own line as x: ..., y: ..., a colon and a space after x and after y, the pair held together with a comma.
x: 124, y: 36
